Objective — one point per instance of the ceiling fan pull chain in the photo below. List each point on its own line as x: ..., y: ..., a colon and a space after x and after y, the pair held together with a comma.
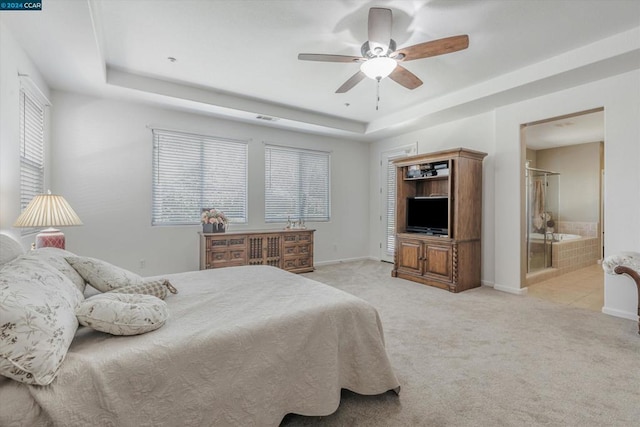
x: 377, y: 93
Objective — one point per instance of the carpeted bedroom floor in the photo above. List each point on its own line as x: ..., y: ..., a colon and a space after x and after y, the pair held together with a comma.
x: 488, y: 358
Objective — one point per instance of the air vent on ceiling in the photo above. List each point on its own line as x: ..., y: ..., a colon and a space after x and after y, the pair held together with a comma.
x: 267, y: 118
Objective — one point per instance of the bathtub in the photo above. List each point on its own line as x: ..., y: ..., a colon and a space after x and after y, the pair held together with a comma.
x: 570, y: 254
x: 556, y: 237
x: 569, y: 251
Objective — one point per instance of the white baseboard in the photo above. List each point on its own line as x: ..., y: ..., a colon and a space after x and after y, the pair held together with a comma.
x: 487, y: 283
x: 510, y: 290
x: 619, y: 313
x: 338, y: 261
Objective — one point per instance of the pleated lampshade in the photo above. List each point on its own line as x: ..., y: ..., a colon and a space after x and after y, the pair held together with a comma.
x: 48, y: 210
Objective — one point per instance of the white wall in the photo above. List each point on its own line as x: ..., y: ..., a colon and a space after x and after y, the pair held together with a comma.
x: 579, y: 168
x: 619, y: 96
x: 476, y: 133
x: 14, y: 61
x: 102, y: 165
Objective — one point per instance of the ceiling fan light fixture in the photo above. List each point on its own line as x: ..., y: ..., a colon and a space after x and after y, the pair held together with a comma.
x: 378, y: 67
x: 380, y: 59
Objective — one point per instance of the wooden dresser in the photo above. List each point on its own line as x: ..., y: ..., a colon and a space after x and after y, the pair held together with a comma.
x: 291, y: 250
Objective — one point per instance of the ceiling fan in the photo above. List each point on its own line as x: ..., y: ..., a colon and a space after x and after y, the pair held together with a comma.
x: 380, y: 58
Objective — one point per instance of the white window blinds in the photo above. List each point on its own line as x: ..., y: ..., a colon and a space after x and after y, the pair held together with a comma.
x: 192, y: 172
x: 296, y: 184
x: 31, y: 148
x: 391, y: 208
x: 388, y: 200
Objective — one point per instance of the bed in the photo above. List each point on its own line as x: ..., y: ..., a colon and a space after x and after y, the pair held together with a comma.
x: 241, y: 346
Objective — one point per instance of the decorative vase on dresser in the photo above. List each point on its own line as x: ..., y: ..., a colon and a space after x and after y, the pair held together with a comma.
x: 214, y: 228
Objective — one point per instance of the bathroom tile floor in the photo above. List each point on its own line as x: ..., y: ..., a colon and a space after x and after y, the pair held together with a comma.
x: 581, y: 288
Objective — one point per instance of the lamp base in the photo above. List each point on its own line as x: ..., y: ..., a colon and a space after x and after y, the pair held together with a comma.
x: 50, y: 238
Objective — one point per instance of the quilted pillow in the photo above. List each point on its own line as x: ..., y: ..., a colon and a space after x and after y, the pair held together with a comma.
x: 56, y: 257
x: 123, y: 314
x: 37, y: 321
x: 101, y: 275
x: 158, y: 288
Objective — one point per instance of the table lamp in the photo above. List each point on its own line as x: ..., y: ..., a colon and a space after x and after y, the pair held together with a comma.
x: 48, y: 210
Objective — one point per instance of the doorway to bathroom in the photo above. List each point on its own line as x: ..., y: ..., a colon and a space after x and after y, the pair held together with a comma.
x: 563, y: 207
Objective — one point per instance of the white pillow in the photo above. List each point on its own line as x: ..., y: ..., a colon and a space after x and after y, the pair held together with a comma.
x: 101, y: 275
x: 37, y: 320
x: 56, y: 257
x: 123, y: 314
x: 10, y: 249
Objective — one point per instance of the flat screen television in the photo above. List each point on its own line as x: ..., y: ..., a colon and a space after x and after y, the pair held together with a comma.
x: 428, y: 215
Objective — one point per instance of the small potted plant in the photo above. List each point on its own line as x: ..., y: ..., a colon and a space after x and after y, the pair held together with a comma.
x: 213, y: 221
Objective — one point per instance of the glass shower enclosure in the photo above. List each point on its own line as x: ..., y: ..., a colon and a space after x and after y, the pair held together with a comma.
x: 543, y: 203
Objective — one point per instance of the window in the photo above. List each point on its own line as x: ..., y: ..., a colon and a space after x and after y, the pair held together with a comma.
x: 31, y: 148
x: 192, y: 172
x: 388, y: 197
x: 390, y: 245
x: 296, y: 184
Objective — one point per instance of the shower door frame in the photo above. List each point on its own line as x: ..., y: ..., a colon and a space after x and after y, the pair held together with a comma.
x: 528, y: 218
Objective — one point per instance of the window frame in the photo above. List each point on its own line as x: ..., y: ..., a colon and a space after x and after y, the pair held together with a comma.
x: 300, y: 207
x: 388, y: 192
x: 32, y: 129
x: 217, y: 144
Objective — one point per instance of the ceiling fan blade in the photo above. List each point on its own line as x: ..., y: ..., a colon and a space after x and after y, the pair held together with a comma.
x: 353, y: 80
x: 405, y: 77
x: 379, y: 29
x: 432, y: 48
x: 329, y: 58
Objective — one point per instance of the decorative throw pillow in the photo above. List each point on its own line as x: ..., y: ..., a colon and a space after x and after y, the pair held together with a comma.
x: 123, y: 314
x: 56, y: 257
x: 156, y: 287
x: 37, y: 320
x: 101, y: 275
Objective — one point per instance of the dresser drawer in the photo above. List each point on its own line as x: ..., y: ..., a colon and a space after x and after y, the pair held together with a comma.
x: 230, y: 242
x: 225, y: 258
x: 297, y: 238
x: 297, y: 263
x: 295, y: 250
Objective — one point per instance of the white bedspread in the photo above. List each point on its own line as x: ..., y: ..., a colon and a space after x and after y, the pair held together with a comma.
x: 243, y: 346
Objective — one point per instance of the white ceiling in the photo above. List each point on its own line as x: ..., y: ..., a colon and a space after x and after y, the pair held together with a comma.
x: 238, y: 58
x: 578, y: 129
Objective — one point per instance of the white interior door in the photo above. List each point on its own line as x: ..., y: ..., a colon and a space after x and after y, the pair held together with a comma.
x: 388, y: 198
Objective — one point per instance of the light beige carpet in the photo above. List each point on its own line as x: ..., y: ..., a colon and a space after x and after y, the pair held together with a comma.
x: 488, y: 358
